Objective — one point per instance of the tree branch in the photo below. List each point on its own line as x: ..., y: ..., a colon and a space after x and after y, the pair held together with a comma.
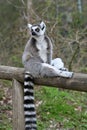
x: 78, y: 82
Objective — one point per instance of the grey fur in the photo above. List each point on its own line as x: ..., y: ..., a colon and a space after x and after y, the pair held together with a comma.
x: 32, y: 58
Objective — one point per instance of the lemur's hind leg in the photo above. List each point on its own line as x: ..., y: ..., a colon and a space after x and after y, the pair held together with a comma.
x: 58, y: 63
x: 51, y: 71
x: 45, y: 70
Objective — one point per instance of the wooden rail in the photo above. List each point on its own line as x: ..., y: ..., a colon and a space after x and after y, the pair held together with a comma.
x: 78, y: 82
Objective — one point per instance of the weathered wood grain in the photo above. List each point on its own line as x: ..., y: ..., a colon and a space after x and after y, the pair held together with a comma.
x: 78, y: 82
x: 18, y: 112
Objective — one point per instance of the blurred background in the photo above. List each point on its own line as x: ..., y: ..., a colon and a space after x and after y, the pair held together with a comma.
x: 66, y: 22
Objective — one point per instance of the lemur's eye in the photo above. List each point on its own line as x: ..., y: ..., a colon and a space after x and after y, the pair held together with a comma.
x: 37, y: 29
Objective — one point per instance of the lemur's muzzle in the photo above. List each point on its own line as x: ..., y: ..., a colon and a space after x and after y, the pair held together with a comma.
x: 33, y: 33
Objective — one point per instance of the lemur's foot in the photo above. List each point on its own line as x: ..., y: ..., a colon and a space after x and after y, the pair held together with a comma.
x: 66, y: 74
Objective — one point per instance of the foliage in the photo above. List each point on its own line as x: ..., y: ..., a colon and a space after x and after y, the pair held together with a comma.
x: 11, y: 33
x: 65, y: 25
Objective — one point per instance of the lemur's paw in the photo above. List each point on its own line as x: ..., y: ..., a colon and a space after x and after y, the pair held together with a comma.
x: 70, y: 74
x: 63, y: 69
x: 67, y: 74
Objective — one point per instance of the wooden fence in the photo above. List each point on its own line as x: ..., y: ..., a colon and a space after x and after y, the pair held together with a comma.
x: 78, y: 82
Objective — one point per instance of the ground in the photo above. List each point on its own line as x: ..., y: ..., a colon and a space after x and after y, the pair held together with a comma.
x: 56, y: 109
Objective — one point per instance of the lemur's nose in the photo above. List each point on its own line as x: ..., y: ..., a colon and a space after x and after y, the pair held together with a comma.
x: 33, y: 32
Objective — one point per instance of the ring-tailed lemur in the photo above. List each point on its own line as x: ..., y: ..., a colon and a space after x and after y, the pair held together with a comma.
x: 37, y: 60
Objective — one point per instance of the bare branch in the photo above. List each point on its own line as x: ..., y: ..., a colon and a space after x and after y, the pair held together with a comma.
x: 16, y: 6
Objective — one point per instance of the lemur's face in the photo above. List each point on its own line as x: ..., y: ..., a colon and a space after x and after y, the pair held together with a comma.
x: 37, y: 30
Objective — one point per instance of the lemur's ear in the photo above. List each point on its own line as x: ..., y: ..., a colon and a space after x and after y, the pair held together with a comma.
x: 43, y: 25
x: 29, y: 26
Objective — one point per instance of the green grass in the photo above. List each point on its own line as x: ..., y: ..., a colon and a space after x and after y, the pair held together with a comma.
x: 5, y: 124
x: 55, y: 109
x: 63, y: 109
x: 5, y: 107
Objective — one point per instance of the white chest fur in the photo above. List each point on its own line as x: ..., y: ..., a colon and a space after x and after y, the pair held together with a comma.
x: 42, y: 47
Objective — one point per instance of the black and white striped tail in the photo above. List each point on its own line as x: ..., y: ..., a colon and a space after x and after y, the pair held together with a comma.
x: 29, y: 106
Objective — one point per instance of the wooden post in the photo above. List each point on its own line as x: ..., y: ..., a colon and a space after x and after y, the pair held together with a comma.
x: 77, y: 82
x: 18, y: 112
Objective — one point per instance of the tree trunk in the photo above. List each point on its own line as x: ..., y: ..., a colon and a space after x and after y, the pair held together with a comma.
x: 29, y: 10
